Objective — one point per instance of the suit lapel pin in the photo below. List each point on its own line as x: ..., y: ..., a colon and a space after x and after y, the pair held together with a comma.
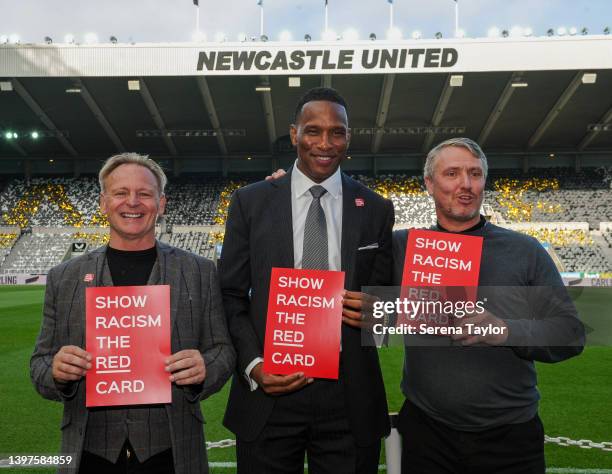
x: 359, y: 202
x: 88, y: 278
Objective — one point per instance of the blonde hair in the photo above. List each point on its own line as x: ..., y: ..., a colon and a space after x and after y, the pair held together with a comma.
x: 133, y: 158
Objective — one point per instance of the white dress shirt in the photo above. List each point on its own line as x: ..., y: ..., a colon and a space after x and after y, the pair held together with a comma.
x: 331, y: 202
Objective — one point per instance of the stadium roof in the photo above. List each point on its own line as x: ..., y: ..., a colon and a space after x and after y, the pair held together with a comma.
x: 515, y: 96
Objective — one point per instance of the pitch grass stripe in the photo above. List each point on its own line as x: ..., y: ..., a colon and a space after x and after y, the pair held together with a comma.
x: 571, y: 470
x: 383, y: 467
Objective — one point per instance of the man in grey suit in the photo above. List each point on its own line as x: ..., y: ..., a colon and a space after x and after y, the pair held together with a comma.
x: 276, y: 418
x: 142, y: 438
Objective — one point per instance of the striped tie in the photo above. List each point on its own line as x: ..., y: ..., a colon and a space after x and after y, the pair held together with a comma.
x: 315, y: 255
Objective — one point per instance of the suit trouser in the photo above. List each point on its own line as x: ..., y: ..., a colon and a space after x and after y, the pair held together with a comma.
x: 127, y: 463
x: 311, y: 421
x: 431, y: 447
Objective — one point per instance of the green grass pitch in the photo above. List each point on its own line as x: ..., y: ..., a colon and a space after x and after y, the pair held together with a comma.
x: 576, y: 394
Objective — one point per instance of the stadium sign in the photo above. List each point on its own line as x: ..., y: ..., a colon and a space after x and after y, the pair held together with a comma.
x: 323, y: 60
x: 276, y: 58
x: 22, y: 279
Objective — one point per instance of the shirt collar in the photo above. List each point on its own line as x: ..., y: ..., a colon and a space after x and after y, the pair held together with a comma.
x: 300, y: 183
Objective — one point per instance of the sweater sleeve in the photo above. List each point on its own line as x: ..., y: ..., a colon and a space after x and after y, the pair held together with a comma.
x: 552, y: 332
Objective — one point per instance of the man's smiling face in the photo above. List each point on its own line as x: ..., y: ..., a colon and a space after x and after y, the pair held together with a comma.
x: 131, y: 200
x: 321, y: 136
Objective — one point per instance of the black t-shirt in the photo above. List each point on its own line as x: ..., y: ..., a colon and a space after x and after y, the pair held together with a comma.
x: 130, y: 267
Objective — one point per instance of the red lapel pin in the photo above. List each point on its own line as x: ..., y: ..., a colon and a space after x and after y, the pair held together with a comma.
x: 88, y: 278
x: 359, y: 202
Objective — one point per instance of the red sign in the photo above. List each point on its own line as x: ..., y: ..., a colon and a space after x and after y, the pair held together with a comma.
x: 128, y: 336
x: 303, y: 322
x: 439, y: 259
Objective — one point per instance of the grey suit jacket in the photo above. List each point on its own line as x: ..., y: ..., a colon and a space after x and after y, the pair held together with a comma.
x: 197, y: 322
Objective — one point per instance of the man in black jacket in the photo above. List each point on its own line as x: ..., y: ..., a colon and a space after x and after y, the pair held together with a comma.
x: 277, y: 419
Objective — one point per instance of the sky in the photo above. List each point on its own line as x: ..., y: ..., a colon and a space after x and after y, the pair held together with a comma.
x: 143, y: 21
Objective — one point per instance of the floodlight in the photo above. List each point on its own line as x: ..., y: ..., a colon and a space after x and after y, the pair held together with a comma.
x: 198, y: 36
x: 550, y: 32
x: 573, y: 31
x: 516, y: 31
x: 329, y: 35
x: 263, y: 38
x: 285, y: 36
x: 562, y: 31
x: 493, y: 32
x: 416, y: 34
x: 372, y: 36
x: 307, y: 38
x: 34, y: 135
x: 456, y: 80
x: 3, y: 39
x: 350, y: 34
x: 606, y: 30
x: 113, y: 39
x: 589, y: 78
x: 8, y: 135
x: 242, y: 37
x: 528, y: 31
x: 394, y: 33
x: 48, y: 40
x: 91, y: 38
x: 69, y: 38
x: 438, y: 35
x: 505, y: 33
x: 14, y: 38
x: 584, y: 31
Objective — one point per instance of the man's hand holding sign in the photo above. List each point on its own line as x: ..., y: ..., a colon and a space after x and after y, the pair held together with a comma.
x: 70, y: 364
x: 187, y: 367
x: 303, y: 323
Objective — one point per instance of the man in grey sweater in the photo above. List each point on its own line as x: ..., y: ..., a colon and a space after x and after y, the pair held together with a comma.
x: 471, y: 401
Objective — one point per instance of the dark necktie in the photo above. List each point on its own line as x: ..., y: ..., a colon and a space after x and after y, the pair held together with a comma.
x: 315, y: 255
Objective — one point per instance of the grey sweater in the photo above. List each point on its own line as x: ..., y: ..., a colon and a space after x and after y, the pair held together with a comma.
x: 480, y: 387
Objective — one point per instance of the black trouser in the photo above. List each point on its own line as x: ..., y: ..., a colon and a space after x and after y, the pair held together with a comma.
x: 311, y: 421
x: 161, y: 463
x: 431, y: 447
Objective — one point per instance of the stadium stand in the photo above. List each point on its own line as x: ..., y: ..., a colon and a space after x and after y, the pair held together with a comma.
x: 37, y: 253
x: 576, y: 248
x: 7, y: 240
x: 548, y: 195
x: 410, y: 200
x: 199, y: 243
x: 193, y: 200
x: 197, y: 209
